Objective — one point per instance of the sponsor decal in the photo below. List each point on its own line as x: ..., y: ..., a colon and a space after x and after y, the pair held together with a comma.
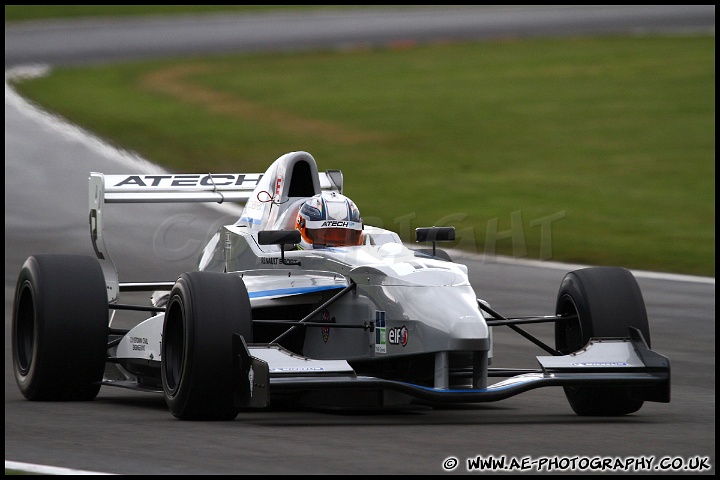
x: 253, y: 205
x: 241, y: 180
x: 380, y: 333
x: 334, y: 223
x: 269, y: 260
x: 138, y: 343
x: 398, y: 336
x: 325, y: 317
x: 600, y: 364
x: 278, y: 185
x: 298, y: 369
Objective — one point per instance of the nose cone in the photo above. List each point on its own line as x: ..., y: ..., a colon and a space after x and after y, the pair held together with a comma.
x: 395, y: 265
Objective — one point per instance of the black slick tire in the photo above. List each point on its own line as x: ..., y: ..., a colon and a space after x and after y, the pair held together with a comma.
x: 607, y: 300
x: 203, y: 312
x: 60, y: 327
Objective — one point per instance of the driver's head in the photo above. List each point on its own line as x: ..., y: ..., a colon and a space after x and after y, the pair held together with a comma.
x: 329, y: 219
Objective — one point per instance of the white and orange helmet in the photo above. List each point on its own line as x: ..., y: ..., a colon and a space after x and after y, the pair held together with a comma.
x: 329, y: 219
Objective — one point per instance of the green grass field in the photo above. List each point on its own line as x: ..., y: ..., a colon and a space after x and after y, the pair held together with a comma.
x: 588, y: 150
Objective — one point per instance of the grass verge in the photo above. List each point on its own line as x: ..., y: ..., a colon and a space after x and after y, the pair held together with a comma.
x: 587, y: 150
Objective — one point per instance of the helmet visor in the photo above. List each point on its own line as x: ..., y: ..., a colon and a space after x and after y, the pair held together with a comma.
x: 338, y: 237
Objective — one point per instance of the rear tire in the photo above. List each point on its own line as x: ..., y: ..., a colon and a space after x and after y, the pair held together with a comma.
x: 60, y: 328
x: 607, y: 300
x: 204, y: 310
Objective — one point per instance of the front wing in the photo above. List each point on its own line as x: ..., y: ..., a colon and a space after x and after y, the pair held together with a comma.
x: 604, y: 361
x: 262, y: 372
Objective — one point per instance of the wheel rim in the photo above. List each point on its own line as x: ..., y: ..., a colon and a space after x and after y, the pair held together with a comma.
x: 173, y: 348
x: 570, y: 338
x: 25, y: 329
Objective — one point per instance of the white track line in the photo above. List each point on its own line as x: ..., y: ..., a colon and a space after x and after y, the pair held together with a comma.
x: 47, y: 470
x: 130, y: 160
x: 676, y: 277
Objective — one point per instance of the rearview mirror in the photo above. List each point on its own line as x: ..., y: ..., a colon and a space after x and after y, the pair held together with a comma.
x: 278, y: 237
x: 435, y: 234
x: 282, y: 238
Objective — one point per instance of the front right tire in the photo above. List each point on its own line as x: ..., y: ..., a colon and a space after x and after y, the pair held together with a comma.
x: 60, y: 327
x: 606, y: 300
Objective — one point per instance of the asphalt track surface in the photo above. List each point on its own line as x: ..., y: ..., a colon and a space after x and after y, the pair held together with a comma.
x: 123, y: 432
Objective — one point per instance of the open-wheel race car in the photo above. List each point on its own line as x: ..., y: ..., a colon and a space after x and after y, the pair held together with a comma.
x: 299, y: 301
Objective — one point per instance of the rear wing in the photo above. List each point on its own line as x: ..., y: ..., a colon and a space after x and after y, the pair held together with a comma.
x: 217, y: 188
x: 169, y: 188
x: 162, y: 188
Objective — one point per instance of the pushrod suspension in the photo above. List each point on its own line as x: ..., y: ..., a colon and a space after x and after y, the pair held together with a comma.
x: 519, y: 330
x: 370, y: 326
x: 525, y: 320
x: 330, y: 301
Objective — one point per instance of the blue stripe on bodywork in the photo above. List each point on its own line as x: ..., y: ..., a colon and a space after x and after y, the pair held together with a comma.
x: 254, y: 221
x: 293, y: 291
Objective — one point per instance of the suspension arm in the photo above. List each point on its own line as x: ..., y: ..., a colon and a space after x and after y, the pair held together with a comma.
x: 517, y: 329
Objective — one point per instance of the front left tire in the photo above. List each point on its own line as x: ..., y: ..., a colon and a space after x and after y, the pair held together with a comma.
x: 203, y: 312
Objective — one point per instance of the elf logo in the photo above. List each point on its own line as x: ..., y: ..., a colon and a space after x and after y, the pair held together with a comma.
x: 398, y: 336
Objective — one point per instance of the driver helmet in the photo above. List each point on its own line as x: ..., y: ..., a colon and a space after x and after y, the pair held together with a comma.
x: 329, y: 219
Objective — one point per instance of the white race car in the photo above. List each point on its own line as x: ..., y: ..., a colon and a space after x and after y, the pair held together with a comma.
x: 300, y: 301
